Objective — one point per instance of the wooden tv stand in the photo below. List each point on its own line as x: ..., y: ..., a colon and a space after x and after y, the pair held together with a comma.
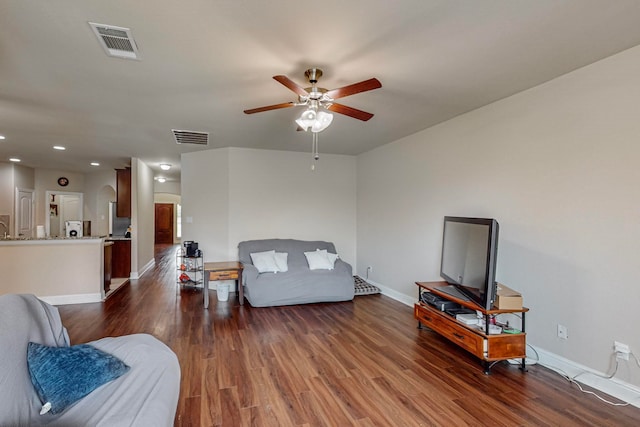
x: 488, y: 348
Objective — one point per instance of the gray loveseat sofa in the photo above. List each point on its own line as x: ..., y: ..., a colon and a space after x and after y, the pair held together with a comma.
x: 146, y: 395
x: 298, y: 285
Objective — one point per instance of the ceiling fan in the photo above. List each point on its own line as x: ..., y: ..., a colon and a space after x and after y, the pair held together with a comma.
x: 316, y: 98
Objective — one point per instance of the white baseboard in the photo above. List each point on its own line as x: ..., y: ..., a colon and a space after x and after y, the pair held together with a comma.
x: 392, y: 293
x: 612, y: 386
x: 72, y: 299
x: 590, y: 377
x: 138, y: 274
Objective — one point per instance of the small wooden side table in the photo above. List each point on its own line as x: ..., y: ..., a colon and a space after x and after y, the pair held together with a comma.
x: 231, y: 270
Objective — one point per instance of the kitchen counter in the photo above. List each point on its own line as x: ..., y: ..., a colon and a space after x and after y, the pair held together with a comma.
x: 57, y: 270
x: 46, y: 240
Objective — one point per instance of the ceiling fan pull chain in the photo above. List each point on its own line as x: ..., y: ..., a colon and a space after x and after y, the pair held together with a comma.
x: 314, y: 149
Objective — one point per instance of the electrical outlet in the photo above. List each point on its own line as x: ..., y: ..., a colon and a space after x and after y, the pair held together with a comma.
x: 562, y: 332
x: 622, y: 350
x: 369, y: 268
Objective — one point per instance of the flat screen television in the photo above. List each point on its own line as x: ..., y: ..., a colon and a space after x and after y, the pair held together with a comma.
x: 469, y: 253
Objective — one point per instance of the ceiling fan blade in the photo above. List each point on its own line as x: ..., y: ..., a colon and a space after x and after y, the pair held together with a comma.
x: 349, y: 111
x: 291, y: 85
x: 270, y: 107
x: 354, y: 88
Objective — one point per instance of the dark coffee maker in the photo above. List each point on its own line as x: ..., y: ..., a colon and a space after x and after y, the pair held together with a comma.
x: 191, y: 248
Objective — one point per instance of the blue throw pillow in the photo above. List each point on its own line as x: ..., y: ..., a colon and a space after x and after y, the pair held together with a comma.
x: 63, y: 375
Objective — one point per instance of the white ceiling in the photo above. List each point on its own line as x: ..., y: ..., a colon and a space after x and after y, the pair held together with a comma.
x: 204, y: 62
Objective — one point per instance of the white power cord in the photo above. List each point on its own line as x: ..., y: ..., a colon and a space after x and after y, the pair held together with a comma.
x: 573, y: 380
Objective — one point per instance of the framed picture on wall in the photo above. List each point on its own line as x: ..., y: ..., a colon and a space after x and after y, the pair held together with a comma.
x: 53, y: 209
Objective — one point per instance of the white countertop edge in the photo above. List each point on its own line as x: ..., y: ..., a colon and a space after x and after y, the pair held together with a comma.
x: 80, y: 241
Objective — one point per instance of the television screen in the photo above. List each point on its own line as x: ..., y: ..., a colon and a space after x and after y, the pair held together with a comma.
x: 469, y: 252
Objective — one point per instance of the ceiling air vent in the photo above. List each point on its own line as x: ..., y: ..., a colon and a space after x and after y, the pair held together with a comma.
x: 116, y: 41
x: 190, y: 137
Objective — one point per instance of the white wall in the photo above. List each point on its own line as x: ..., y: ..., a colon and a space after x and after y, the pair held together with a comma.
x: 142, y: 218
x: 236, y: 194
x: 24, y: 177
x: 170, y: 187
x: 99, y: 190
x: 205, y: 202
x: 557, y: 167
x: 47, y: 179
x: 282, y: 197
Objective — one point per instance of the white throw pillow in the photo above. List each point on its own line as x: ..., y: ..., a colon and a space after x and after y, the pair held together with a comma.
x: 318, y: 260
x: 265, y: 262
x: 332, y: 259
x: 281, y: 261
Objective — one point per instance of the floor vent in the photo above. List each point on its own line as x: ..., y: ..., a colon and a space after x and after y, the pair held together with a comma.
x: 190, y: 137
x: 116, y: 41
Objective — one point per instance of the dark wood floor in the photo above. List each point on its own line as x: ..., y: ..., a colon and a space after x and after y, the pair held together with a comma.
x: 355, y: 363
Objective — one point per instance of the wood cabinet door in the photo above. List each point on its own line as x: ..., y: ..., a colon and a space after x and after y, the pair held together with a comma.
x: 164, y: 223
x: 121, y: 259
x: 123, y: 193
x: 108, y: 261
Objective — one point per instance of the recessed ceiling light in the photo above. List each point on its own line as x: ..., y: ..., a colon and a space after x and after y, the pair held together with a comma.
x: 161, y: 179
x: 59, y: 147
x: 1, y: 136
x: 14, y: 159
x: 165, y: 166
x: 95, y: 164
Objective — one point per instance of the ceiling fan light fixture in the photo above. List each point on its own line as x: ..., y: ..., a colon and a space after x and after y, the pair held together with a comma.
x: 323, y: 120
x: 308, y: 115
x: 302, y: 125
x: 307, y: 119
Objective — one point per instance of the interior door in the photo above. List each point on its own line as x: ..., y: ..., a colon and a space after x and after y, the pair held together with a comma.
x: 24, y: 213
x: 164, y: 223
x: 70, y: 210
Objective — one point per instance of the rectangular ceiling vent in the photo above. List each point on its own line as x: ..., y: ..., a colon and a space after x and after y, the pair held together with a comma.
x: 190, y: 137
x: 116, y: 41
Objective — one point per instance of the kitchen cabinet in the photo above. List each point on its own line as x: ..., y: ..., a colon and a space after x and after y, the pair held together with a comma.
x: 123, y: 192
x: 108, y: 260
x: 121, y: 258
